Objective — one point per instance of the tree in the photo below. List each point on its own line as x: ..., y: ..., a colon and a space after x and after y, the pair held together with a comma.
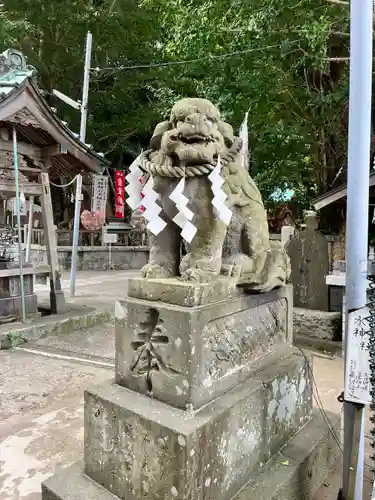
x: 295, y: 93
x: 53, y: 38
x: 283, y: 69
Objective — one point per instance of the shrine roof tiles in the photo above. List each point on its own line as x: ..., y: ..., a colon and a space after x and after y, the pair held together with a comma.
x: 22, y: 104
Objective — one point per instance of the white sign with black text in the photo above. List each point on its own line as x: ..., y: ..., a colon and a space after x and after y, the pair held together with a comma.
x: 110, y: 238
x: 99, y: 198
x: 357, y: 376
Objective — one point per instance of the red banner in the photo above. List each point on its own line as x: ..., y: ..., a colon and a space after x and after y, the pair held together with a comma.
x: 120, y: 194
x: 142, y: 195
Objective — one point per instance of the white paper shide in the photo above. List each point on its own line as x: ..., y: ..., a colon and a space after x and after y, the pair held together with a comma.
x: 152, y: 210
x: 185, y: 215
x: 134, y: 187
x: 218, y: 201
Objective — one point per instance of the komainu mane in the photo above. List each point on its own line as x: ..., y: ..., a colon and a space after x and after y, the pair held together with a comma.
x: 189, y: 145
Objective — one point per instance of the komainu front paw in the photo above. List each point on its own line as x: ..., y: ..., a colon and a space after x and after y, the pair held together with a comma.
x: 202, y: 271
x: 236, y: 265
x: 198, y: 275
x: 155, y: 271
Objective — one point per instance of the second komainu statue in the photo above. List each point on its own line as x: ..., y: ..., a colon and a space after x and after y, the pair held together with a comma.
x: 189, y: 145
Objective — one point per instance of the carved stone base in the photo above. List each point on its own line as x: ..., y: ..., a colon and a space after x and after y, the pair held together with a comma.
x: 139, y: 448
x: 205, y: 399
x: 295, y: 473
x: 187, y: 356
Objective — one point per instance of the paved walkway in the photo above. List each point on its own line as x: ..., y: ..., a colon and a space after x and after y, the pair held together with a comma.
x: 42, y: 384
x: 93, y: 288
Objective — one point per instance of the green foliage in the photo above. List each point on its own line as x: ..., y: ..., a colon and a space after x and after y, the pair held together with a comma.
x: 296, y: 97
x: 294, y: 94
x: 54, y: 41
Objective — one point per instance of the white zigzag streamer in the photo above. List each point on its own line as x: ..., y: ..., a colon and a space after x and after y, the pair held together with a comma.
x: 155, y: 223
x: 223, y: 212
x: 134, y: 187
x: 185, y: 215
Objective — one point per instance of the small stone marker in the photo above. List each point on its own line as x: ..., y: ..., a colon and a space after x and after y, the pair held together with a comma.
x: 308, y: 252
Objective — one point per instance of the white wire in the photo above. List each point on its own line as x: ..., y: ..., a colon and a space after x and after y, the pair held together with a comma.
x: 63, y: 185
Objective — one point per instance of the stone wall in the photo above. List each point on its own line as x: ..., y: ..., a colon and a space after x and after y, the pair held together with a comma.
x: 94, y: 258
x: 123, y: 257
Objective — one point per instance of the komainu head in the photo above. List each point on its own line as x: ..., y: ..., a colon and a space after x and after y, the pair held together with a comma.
x: 194, y: 134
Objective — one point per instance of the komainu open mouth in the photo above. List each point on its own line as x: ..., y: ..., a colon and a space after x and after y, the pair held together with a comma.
x: 195, y: 138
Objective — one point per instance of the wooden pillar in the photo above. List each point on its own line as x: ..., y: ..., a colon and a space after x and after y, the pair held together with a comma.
x: 29, y: 229
x: 56, y: 294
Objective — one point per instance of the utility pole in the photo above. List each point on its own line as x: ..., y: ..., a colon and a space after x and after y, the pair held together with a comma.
x: 361, y: 15
x: 81, y: 106
x: 82, y: 136
x: 77, y: 213
x: 86, y: 85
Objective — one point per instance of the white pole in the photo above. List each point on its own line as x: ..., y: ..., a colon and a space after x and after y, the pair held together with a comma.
x: 86, y: 84
x: 77, y: 213
x: 18, y: 210
x: 29, y: 228
x: 361, y: 461
x: 357, y: 217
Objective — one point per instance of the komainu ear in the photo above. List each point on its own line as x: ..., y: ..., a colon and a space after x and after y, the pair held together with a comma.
x: 159, y: 131
x: 226, y: 131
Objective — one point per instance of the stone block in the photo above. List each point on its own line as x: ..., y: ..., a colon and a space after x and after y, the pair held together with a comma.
x: 294, y: 474
x: 182, y: 293
x: 302, y: 465
x: 139, y: 448
x: 187, y: 356
x: 72, y: 484
x: 289, y: 400
x: 318, y: 324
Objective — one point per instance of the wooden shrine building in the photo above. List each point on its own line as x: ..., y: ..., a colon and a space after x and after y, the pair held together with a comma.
x: 48, y: 152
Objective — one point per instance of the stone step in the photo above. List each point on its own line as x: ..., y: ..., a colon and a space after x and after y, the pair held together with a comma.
x: 72, y: 484
x: 294, y: 474
x: 321, y: 346
x: 301, y: 467
x: 74, y: 319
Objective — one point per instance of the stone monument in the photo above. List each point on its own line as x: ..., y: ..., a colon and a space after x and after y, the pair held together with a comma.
x: 308, y: 252
x: 210, y: 400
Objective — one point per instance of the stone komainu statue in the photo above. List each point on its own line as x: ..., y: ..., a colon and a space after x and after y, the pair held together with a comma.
x: 189, y: 144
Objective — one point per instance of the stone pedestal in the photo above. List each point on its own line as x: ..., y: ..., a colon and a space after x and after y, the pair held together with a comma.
x: 210, y: 400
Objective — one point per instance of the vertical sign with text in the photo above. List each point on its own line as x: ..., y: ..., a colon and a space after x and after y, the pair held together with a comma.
x: 99, y: 198
x: 357, y: 376
x: 119, y: 194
